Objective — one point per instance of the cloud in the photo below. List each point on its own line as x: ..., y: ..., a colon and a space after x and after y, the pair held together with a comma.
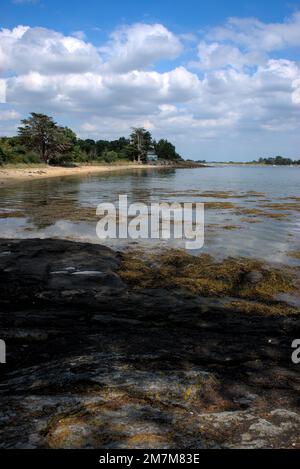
x: 79, y: 35
x: 216, y: 55
x: 136, y: 91
x: 2, y: 91
x: 232, y: 90
x: 256, y: 35
x: 246, y: 42
x: 24, y: 49
x: 139, y: 46
x: 9, y: 115
x: 296, y: 93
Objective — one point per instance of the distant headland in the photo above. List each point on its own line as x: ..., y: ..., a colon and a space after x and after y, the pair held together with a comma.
x: 270, y: 161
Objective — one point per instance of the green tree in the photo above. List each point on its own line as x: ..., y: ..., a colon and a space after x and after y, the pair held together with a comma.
x: 89, y: 147
x: 101, y: 146
x: 141, y: 139
x: 41, y: 134
x: 110, y: 156
x: 130, y: 152
x: 166, y: 150
x: 3, y: 156
x: 278, y: 161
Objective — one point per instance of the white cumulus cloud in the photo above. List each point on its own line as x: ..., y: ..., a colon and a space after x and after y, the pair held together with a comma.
x: 233, y: 89
x: 140, y: 45
x: 257, y: 35
x: 25, y: 49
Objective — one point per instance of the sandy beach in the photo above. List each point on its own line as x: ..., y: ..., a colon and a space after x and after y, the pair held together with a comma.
x: 12, y: 175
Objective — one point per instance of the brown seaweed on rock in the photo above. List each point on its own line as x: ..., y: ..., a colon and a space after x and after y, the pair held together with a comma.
x: 241, y: 278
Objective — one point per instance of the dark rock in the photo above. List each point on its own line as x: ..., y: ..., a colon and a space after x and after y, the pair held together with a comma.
x: 254, y: 277
x: 93, y: 363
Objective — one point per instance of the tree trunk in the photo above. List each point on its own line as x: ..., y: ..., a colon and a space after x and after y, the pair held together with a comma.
x: 139, y: 145
x: 44, y: 153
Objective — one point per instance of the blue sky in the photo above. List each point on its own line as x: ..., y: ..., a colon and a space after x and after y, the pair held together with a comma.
x: 220, y: 88
x: 189, y: 15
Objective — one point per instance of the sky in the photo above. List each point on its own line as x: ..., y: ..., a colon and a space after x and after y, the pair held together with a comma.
x: 221, y: 80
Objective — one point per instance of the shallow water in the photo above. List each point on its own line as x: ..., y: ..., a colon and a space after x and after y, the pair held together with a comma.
x: 65, y: 207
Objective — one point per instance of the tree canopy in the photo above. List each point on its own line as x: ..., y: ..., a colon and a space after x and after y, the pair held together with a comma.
x: 278, y: 161
x: 141, y: 140
x: 166, y: 150
x: 41, y: 134
x: 41, y: 139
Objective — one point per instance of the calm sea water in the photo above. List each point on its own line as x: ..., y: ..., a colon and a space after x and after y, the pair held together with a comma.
x: 64, y: 207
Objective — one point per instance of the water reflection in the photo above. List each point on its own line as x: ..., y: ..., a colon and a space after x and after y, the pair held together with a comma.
x: 237, y: 217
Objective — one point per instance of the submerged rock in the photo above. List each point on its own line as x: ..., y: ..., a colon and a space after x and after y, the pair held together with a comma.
x: 95, y: 363
x: 254, y: 277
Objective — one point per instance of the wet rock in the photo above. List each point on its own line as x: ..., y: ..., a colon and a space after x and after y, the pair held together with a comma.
x: 36, y: 270
x: 94, y: 363
x: 254, y: 277
x: 273, y: 429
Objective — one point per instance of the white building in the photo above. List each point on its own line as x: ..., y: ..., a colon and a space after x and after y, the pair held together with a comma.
x: 151, y: 156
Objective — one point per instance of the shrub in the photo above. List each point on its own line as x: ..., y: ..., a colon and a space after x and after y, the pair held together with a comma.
x: 2, y: 157
x: 110, y: 156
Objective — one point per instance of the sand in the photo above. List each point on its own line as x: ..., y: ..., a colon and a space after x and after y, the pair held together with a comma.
x: 13, y: 175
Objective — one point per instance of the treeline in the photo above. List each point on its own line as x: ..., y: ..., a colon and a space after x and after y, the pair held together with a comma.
x: 277, y: 161
x: 41, y: 140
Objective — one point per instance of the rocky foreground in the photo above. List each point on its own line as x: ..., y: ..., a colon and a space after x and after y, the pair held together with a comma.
x: 95, y: 363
